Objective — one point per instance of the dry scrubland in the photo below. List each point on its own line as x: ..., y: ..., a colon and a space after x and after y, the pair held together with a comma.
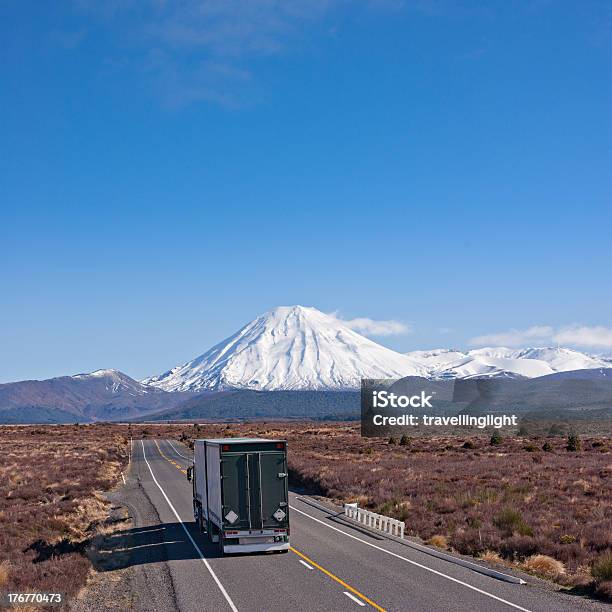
x: 51, y: 502
x: 549, y: 511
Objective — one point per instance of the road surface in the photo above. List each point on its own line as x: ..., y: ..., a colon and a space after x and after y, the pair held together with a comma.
x: 331, y: 565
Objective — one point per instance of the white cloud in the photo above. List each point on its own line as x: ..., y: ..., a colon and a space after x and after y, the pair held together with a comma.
x: 195, y: 36
x: 515, y: 337
x: 596, y: 336
x: 202, y: 49
x: 370, y: 327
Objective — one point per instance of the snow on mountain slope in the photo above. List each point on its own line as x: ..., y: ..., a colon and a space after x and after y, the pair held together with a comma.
x: 562, y: 359
x: 502, y: 361
x: 290, y: 347
x: 436, y: 358
x: 115, y: 381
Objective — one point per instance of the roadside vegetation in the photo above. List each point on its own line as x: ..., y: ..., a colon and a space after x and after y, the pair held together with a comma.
x: 540, y: 503
x: 52, y: 480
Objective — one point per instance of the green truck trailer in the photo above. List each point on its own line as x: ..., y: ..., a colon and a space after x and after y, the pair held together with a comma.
x: 240, y: 493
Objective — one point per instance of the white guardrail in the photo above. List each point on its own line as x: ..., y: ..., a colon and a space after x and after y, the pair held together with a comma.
x: 375, y: 521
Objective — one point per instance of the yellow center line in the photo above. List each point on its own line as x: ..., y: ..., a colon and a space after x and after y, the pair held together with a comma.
x: 297, y: 552
x: 176, y: 465
x: 338, y: 580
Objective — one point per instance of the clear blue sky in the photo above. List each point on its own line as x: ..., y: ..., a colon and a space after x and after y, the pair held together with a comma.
x: 169, y: 170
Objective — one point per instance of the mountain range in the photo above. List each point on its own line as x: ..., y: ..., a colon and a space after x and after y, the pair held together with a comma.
x: 291, y: 349
x: 100, y: 395
x: 299, y: 348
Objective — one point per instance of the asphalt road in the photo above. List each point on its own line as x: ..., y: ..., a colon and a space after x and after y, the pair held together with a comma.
x: 331, y: 566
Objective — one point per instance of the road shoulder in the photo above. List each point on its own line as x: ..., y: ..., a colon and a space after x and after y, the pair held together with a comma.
x: 121, y: 579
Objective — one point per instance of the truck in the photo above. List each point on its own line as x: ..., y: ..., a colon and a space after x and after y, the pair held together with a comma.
x: 240, y: 493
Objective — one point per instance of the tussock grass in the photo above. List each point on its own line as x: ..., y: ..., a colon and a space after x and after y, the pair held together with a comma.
x: 439, y: 541
x: 545, y: 566
x: 491, y: 556
x: 4, y: 572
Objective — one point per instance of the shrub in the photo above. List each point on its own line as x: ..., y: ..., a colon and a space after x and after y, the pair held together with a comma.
x: 439, y: 541
x: 530, y: 448
x: 392, y: 440
x: 519, y: 546
x: 555, y: 430
x: 511, y: 521
x: 601, y: 570
x: 573, y: 443
x: 567, y: 539
x: 405, y: 440
x: 547, y: 447
x: 604, y: 590
x: 496, y: 438
x: 544, y: 566
x: 473, y: 522
x: 468, y: 444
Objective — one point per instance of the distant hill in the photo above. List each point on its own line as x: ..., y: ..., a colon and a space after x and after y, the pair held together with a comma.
x: 585, y: 394
x: 99, y: 395
x: 246, y: 404
x: 594, y: 374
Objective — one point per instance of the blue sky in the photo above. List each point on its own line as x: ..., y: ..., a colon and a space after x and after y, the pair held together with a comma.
x: 169, y: 170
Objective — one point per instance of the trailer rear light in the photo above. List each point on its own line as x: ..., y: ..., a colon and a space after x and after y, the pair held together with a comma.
x: 231, y: 533
x: 225, y: 447
x: 279, y: 531
x: 280, y: 445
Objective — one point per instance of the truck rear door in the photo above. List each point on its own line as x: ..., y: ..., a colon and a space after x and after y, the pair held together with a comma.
x: 255, y: 490
x: 272, y: 472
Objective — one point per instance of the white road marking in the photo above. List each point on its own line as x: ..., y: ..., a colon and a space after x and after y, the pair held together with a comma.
x: 305, y: 564
x: 429, y: 569
x: 180, y: 520
x: 122, y: 476
x: 179, y: 454
x: 351, y: 596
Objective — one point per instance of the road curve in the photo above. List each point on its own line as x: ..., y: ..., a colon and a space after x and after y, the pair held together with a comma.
x: 332, y: 566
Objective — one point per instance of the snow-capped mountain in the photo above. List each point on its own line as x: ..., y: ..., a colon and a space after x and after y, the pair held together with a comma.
x: 299, y: 348
x: 290, y: 347
x: 114, y: 381
x: 504, y: 362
